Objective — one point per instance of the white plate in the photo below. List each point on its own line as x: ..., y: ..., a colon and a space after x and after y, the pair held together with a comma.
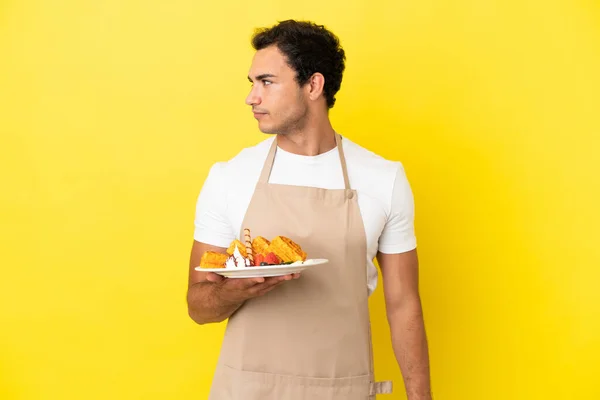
x: 264, y: 270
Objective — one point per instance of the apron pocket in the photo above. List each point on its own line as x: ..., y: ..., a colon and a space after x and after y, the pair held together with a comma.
x: 234, y: 384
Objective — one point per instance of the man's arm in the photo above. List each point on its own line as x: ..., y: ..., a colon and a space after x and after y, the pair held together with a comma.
x: 204, y: 304
x: 405, y: 317
x: 212, y: 298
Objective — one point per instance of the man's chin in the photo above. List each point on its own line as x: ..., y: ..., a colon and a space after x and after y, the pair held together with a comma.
x: 267, y: 130
x: 272, y: 130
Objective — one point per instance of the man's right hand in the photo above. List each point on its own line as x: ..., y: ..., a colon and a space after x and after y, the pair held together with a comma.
x: 238, y: 290
x: 213, y: 298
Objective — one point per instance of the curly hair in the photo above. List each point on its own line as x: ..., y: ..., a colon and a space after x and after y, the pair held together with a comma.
x: 309, y: 48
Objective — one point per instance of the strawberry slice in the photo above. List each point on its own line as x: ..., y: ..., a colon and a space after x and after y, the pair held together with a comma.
x: 258, y: 259
x: 272, y: 259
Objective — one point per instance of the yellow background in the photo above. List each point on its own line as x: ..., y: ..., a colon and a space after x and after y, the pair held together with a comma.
x: 112, y: 112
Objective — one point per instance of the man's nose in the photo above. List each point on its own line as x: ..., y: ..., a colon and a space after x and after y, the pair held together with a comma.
x: 253, y: 98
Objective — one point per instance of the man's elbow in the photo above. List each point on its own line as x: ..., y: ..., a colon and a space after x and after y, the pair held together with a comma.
x: 407, y: 306
x: 200, y: 319
x: 196, y: 318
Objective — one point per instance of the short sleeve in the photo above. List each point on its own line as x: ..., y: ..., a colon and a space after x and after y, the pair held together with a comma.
x: 398, y: 234
x: 211, y: 223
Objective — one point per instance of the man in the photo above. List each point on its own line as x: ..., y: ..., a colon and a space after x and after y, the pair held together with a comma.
x: 308, y: 337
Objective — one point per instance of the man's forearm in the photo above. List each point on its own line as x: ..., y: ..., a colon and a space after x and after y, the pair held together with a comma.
x: 206, y: 306
x: 410, y: 347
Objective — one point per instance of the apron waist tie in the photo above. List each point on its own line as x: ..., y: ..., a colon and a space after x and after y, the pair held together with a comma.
x: 384, y: 387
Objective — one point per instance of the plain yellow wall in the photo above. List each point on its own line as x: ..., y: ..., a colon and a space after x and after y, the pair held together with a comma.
x: 112, y: 112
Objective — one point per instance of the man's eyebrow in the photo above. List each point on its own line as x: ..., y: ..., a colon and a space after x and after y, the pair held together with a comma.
x: 262, y: 76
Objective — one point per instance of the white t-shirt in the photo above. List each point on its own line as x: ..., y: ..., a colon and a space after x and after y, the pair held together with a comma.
x: 385, y: 198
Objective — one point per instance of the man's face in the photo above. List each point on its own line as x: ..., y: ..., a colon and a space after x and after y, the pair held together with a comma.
x: 277, y: 101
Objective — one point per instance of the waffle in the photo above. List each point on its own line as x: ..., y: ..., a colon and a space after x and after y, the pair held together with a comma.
x: 241, y: 247
x: 260, y: 245
x: 211, y: 259
x: 286, y: 249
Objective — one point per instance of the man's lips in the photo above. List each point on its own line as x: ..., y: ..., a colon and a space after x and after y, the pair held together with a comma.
x: 259, y: 114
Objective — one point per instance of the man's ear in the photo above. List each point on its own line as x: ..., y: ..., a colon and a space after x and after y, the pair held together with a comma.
x: 315, y: 86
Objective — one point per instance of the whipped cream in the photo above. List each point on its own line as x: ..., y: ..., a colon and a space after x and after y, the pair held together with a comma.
x: 237, y: 260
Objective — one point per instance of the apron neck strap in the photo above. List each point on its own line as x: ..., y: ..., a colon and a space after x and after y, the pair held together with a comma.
x: 338, y: 142
x: 268, y: 166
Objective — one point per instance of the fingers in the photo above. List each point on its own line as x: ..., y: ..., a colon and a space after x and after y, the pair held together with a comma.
x: 234, y: 284
x: 278, y: 279
x: 274, y: 282
x: 269, y: 284
x: 252, y: 281
x: 249, y: 282
x: 243, y: 283
x: 265, y: 288
x: 252, y: 286
x: 215, y: 278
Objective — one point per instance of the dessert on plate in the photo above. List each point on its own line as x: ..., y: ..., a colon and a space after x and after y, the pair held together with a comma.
x: 286, y: 249
x: 259, y: 245
x: 255, y: 252
x: 212, y: 259
x: 236, y: 244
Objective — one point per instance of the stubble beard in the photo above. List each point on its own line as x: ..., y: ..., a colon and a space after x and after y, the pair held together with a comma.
x: 293, y: 123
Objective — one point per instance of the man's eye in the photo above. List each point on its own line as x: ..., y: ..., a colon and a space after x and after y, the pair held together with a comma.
x: 267, y: 82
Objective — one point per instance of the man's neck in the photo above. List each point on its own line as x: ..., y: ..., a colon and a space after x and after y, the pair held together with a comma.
x: 310, y: 141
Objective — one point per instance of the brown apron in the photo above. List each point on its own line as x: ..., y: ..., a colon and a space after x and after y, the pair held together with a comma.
x: 308, y: 338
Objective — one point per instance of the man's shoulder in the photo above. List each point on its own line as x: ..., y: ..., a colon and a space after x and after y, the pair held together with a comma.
x: 373, y: 175
x: 370, y: 163
x: 245, y: 159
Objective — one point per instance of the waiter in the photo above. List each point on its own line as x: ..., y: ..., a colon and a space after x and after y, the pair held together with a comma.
x: 308, y: 336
